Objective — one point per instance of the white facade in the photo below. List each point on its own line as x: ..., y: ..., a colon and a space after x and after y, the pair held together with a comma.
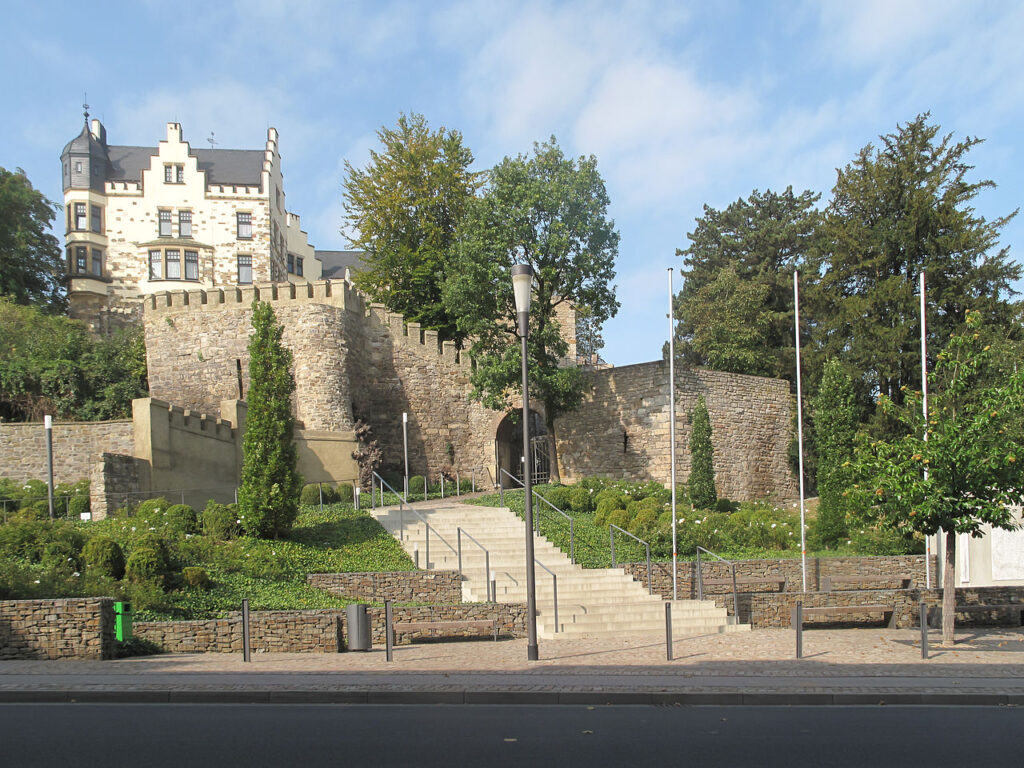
x: 147, y: 219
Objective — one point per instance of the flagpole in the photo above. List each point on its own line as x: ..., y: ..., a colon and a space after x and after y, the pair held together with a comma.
x: 800, y: 426
x: 924, y: 408
x: 672, y: 427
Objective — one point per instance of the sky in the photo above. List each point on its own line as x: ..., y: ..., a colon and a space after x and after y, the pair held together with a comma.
x: 683, y: 103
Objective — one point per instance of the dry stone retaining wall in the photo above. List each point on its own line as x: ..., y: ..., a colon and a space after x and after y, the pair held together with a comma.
x: 401, y: 587
x: 75, y: 446
x: 318, y: 631
x: 70, y: 628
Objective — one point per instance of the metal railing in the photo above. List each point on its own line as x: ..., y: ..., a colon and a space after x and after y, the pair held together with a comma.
x: 401, y: 521
x: 611, y: 537
x: 554, y: 588
x: 487, y: 562
x: 700, y: 580
x: 536, y: 517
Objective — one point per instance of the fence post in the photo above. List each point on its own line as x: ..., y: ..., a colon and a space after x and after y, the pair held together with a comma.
x: 924, y: 630
x: 700, y: 579
x: 668, y: 631
x: 320, y: 487
x: 474, y: 480
x: 246, y: 649
x: 389, y: 641
x: 799, y: 621
x: 735, y: 599
x: 611, y: 538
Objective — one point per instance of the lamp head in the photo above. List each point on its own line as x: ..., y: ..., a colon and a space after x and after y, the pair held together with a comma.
x: 522, y: 284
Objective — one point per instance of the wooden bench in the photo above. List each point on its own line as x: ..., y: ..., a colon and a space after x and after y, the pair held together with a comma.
x: 1014, y: 612
x: 779, y: 584
x: 852, y: 610
x: 828, y: 582
x: 481, y: 626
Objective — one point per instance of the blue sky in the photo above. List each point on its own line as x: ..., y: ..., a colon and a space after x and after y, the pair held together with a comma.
x: 682, y: 103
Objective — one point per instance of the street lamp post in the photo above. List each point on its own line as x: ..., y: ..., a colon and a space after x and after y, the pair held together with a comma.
x: 522, y: 284
x: 405, y: 450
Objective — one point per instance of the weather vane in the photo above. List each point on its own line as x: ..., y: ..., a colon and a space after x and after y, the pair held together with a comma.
x: 213, y: 141
x: 85, y: 105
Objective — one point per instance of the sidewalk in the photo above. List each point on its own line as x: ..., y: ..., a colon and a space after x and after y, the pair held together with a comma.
x: 846, y: 666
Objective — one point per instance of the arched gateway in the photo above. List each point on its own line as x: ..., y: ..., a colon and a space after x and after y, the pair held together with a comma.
x: 508, y: 449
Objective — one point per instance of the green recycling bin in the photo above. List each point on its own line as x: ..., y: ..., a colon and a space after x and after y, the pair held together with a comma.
x: 122, y: 621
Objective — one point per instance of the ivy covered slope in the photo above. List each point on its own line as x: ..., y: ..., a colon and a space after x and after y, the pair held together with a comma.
x: 173, y: 563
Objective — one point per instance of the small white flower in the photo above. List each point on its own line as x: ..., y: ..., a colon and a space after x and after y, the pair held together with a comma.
x: 696, y: 522
x: 238, y: 521
x: 76, y: 573
x: 133, y: 527
x: 37, y: 581
x: 790, y: 533
x: 152, y: 528
x: 848, y: 541
x: 773, y: 525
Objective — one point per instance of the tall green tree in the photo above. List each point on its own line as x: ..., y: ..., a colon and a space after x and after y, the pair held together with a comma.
x: 701, y: 483
x: 836, y: 417
x: 404, y: 210
x: 31, y: 267
x: 898, y: 208
x: 551, y: 212
x: 970, y: 469
x: 268, y: 496
x: 760, y: 240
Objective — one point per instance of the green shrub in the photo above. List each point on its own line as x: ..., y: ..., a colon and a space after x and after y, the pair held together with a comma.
x: 155, y: 542
x: 581, y: 500
x: 559, y: 496
x: 645, y: 523
x: 345, y: 493
x: 145, y: 565
x: 197, y: 578
x: 619, y: 517
x: 152, y: 507
x: 702, y: 472
x: 612, y: 494
x: 181, y: 519
x: 726, y: 507
x: 78, y: 506
x: 608, y: 504
x: 220, y: 521
x: 595, y: 484
x: 103, y: 557
x: 416, y: 485
x: 311, y: 494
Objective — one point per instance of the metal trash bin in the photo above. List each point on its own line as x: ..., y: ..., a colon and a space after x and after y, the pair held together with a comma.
x: 358, y: 628
x: 122, y: 621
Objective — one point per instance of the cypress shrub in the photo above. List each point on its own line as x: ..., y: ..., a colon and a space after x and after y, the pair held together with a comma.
x: 220, y: 521
x: 104, y: 557
x: 702, y: 470
x: 835, y: 424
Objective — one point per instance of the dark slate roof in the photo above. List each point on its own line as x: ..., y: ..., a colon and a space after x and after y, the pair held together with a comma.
x: 84, y: 144
x: 334, y: 262
x: 222, y: 166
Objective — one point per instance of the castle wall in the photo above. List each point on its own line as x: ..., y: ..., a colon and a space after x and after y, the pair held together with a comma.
x: 75, y: 446
x: 622, y: 429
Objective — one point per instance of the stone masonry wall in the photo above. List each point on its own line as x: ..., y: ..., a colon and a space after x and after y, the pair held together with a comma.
x: 784, y: 568
x: 321, y: 631
x: 399, y: 586
x: 773, y: 611
x: 75, y: 446
x: 622, y: 429
x: 72, y: 628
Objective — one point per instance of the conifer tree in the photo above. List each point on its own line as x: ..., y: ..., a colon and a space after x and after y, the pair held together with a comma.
x: 835, y: 424
x: 702, y: 470
x: 268, y: 497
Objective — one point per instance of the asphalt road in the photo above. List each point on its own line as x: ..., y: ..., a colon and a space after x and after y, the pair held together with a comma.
x: 156, y: 735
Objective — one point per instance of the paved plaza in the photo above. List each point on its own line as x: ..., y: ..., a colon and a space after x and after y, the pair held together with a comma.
x: 870, y: 666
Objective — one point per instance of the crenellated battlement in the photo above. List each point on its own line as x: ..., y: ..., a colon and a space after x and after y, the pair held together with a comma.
x: 336, y: 293
x: 189, y: 420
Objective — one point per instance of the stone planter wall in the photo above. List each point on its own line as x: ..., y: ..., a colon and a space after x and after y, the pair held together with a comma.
x: 398, y: 586
x: 69, y: 628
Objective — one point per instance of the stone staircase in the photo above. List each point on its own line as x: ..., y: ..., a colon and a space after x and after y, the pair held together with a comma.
x: 603, y: 602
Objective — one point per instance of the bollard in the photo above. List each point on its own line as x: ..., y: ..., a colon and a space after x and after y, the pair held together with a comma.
x: 799, y: 621
x: 416, y: 554
x: 389, y: 641
x: 494, y: 587
x: 246, y: 650
x: 355, y: 491
x: 668, y: 631
x: 924, y: 630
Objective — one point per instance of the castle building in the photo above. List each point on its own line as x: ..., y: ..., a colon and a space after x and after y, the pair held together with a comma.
x: 141, y: 220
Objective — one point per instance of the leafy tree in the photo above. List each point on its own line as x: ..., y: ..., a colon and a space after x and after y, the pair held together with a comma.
x: 404, y: 210
x: 52, y: 365
x: 760, y: 240
x: 589, y: 340
x: 269, y: 492
x: 897, y: 209
x: 31, y: 267
x: 551, y: 212
x: 968, y: 472
x: 836, y: 415
x: 702, y: 471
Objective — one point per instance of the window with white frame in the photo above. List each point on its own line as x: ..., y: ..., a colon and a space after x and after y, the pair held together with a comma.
x: 80, y: 222
x: 156, y: 268
x: 165, y: 223
x: 165, y: 264
x: 184, y: 223
x: 174, y: 174
x: 244, y: 268
x: 191, y: 265
x: 172, y: 264
x: 244, y: 226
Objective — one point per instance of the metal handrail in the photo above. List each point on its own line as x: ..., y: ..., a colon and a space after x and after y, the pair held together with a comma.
x: 700, y: 580
x: 401, y: 504
x: 554, y: 588
x: 572, y: 524
x: 487, y: 561
x: 611, y: 536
